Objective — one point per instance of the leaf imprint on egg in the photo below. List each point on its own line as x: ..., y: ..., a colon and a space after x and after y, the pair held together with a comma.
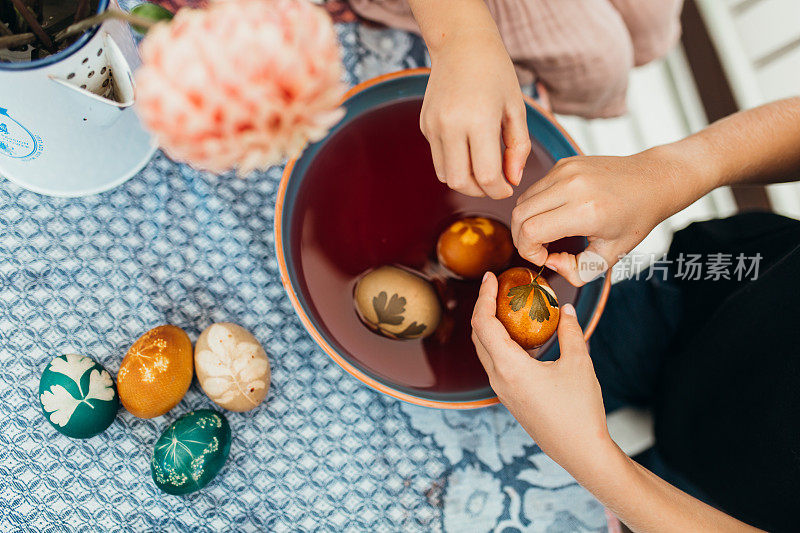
x: 412, y: 330
x: 472, y: 229
x: 391, y: 311
x: 60, y: 403
x: 539, y: 311
x: 234, y: 368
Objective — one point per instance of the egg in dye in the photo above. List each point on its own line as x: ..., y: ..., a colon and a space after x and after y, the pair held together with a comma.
x: 471, y: 246
x: 397, y: 304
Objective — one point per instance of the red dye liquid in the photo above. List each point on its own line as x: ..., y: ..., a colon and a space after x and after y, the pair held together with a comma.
x: 371, y: 198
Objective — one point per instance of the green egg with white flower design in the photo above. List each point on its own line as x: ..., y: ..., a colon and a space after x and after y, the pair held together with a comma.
x: 78, y: 396
x: 191, y: 452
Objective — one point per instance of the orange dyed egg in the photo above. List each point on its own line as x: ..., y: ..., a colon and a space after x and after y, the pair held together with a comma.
x: 527, y: 307
x: 156, y: 372
x: 471, y: 246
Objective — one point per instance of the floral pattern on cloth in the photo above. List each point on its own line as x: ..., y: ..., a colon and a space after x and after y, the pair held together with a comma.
x: 500, y: 480
x: 322, y: 453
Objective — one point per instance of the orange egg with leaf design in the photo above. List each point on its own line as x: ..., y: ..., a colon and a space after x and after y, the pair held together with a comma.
x: 397, y: 303
x: 471, y: 246
x: 527, y: 306
x: 156, y: 372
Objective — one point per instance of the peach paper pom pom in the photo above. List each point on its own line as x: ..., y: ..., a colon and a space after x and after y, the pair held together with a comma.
x: 241, y: 84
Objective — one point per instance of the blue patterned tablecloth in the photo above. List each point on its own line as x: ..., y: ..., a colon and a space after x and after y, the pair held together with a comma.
x: 324, y: 452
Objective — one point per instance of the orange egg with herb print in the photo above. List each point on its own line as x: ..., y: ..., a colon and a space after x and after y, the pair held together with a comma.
x: 527, y: 307
x: 471, y: 246
x: 156, y: 372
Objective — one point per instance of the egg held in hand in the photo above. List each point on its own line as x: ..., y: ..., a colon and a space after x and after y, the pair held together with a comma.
x: 471, y: 246
x: 527, y: 307
x: 232, y: 366
x: 397, y: 304
x: 156, y: 372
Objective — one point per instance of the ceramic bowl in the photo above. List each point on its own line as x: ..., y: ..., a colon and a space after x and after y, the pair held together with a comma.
x: 551, y: 143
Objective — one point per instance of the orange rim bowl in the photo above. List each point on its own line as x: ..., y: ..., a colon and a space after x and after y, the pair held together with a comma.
x: 534, y: 109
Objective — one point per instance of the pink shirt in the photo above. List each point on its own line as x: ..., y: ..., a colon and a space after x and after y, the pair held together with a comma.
x: 580, y: 50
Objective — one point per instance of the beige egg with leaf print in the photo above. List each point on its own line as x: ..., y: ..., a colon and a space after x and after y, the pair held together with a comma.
x: 397, y: 304
x: 232, y: 367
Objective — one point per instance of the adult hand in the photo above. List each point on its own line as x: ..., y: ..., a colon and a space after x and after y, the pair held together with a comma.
x: 473, y: 102
x: 559, y: 403
x: 614, y: 201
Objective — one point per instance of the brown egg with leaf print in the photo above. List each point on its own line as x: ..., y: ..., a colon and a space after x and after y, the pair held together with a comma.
x: 527, y: 306
x: 397, y: 304
x: 471, y: 246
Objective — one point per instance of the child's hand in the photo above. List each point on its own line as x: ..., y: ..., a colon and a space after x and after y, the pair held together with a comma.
x: 614, y: 201
x: 559, y: 403
x: 473, y: 100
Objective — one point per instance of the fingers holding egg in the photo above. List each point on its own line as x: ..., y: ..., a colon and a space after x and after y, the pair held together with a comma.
x: 527, y: 307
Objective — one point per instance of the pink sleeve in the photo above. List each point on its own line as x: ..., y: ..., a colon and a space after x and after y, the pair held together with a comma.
x: 582, y: 51
x: 654, y: 26
x: 579, y: 50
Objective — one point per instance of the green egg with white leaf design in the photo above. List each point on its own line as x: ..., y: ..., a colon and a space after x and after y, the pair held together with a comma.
x: 191, y: 452
x: 78, y: 396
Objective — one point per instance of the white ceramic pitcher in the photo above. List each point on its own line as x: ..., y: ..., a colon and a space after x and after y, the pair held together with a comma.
x: 67, y: 124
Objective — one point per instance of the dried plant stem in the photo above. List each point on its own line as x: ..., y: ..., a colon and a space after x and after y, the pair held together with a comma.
x: 108, y: 14
x: 33, y: 24
x: 22, y: 39
x: 54, y: 26
x: 539, y: 274
x: 13, y: 41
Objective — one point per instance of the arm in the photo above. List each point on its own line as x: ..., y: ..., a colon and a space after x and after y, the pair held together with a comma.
x: 473, y: 100
x: 560, y: 405
x: 617, y: 201
x: 645, y: 502
x: 761, y: 145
